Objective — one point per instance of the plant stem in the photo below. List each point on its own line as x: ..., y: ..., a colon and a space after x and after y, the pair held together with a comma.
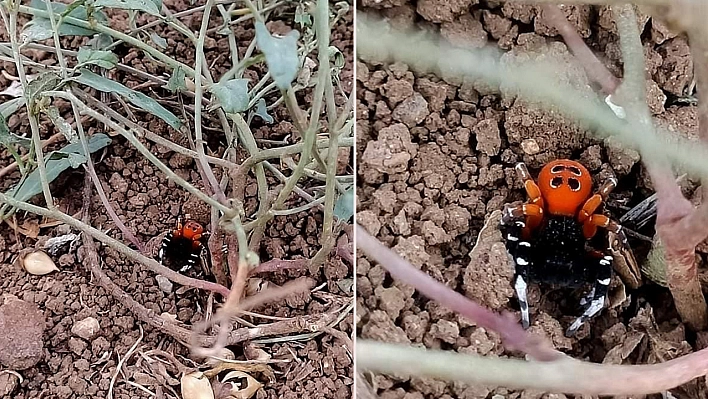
x: 99, y: 188
x: 173, y: 64
x: 679, y: 249
x: 513, y: 336
x: 116, y: 245
x: 31, y: 112
x: 199, y: 140
x: 564, y: 375
x: 593, y: 67
x: 141, y: 148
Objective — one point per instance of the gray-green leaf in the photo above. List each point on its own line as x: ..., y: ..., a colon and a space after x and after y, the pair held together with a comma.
x: 344, y: 207
x: 176, y: 82
x: 104, y: 59
x: 57, y: 162
x: 147, y: 6
x: 10, y: 107
x: 138, y: 99
x: 280, y: 53
x: 39, y: 28
x: 158, y: 40
x: 232, y: 95
x: 43, y: 83
x: 262, y: 111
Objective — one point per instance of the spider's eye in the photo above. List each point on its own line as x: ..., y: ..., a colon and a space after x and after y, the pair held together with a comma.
x: 557, y: 169
x: 556, y: 182
x: 574, y: 170
x: 574, y: 184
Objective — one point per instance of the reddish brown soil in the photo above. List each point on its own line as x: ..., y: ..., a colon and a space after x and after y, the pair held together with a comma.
x: 436, y: 157
x: 74, y: 367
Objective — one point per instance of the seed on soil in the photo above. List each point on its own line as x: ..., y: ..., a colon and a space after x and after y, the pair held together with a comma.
x: 196, y: 386
x: 86, y: 328
x: 38, y: 263
x: 243, y: 386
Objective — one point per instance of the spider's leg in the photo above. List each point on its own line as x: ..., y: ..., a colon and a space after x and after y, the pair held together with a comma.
x: 534, y: 194
x: 163, y: 248
x: 519, y: 249
x: 594, y: 202
x: 603, y: 275
x: 531, y: 214
x: 191, y: 261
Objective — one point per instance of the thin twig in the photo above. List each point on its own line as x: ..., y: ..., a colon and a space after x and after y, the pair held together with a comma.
x: 513, y: 336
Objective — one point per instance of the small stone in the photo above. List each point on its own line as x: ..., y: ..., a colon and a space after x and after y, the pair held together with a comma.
x: 8, y: 383
x: 488, y: 139
x: 164, y: 284
x: 77, y: 346
x: 21, y: 329
x: 530, y: 146
x: 86, y: 328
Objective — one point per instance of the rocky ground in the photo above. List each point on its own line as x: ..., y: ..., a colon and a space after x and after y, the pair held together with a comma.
x: 450, y: 148
x: 73, y: 358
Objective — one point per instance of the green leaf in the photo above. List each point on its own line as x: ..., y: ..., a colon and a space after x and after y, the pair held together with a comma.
x: 176, y: 82
x: 138, y: 99
x: 280, y: 53
x: 302, y: 17
x: 147, y: 6
x: 56, y: 162
x: 104, y: 59
x: 41, y: 84
x: 8, y: 138
x: 10, y: 107
x: 158, y: 40
x: 232, y: 95
x: 344, y: 207
x: 39, y: 28
x: 262, y: 111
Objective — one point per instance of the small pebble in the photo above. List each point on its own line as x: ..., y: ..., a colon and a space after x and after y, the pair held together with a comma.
x: 164, y: 284
x: 86, y: 328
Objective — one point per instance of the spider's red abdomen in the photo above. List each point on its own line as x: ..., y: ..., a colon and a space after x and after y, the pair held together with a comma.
x: 565, y: 185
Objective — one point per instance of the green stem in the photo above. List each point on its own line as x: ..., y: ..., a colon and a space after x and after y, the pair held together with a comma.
x: 34, y: 125
x: 151, y: 264
x: 173, y: 64
x: 140, y: 147
x: 199, y: 140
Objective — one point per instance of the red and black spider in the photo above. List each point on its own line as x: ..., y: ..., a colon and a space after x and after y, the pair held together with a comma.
x: 548, y: 235
x: 184, y: 245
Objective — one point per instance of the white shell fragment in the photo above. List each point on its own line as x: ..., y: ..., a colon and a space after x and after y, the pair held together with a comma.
x: 243, y: 386
x: 196, y: 386
x: 38, y: 263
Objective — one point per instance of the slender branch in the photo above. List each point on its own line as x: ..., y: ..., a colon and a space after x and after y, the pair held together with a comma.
x: 114, y: 33
x: 151, y: 264
x: 199, y: 140
x: 99, y: 187
x: 513, y: 336
x: 593, y: 67
x: 563, y: 375
x: 30, y: 103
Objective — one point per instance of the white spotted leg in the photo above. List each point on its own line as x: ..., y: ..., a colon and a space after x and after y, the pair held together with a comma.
x: 520, y: 251
x: 163, y: 248
x: 595, y: 303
